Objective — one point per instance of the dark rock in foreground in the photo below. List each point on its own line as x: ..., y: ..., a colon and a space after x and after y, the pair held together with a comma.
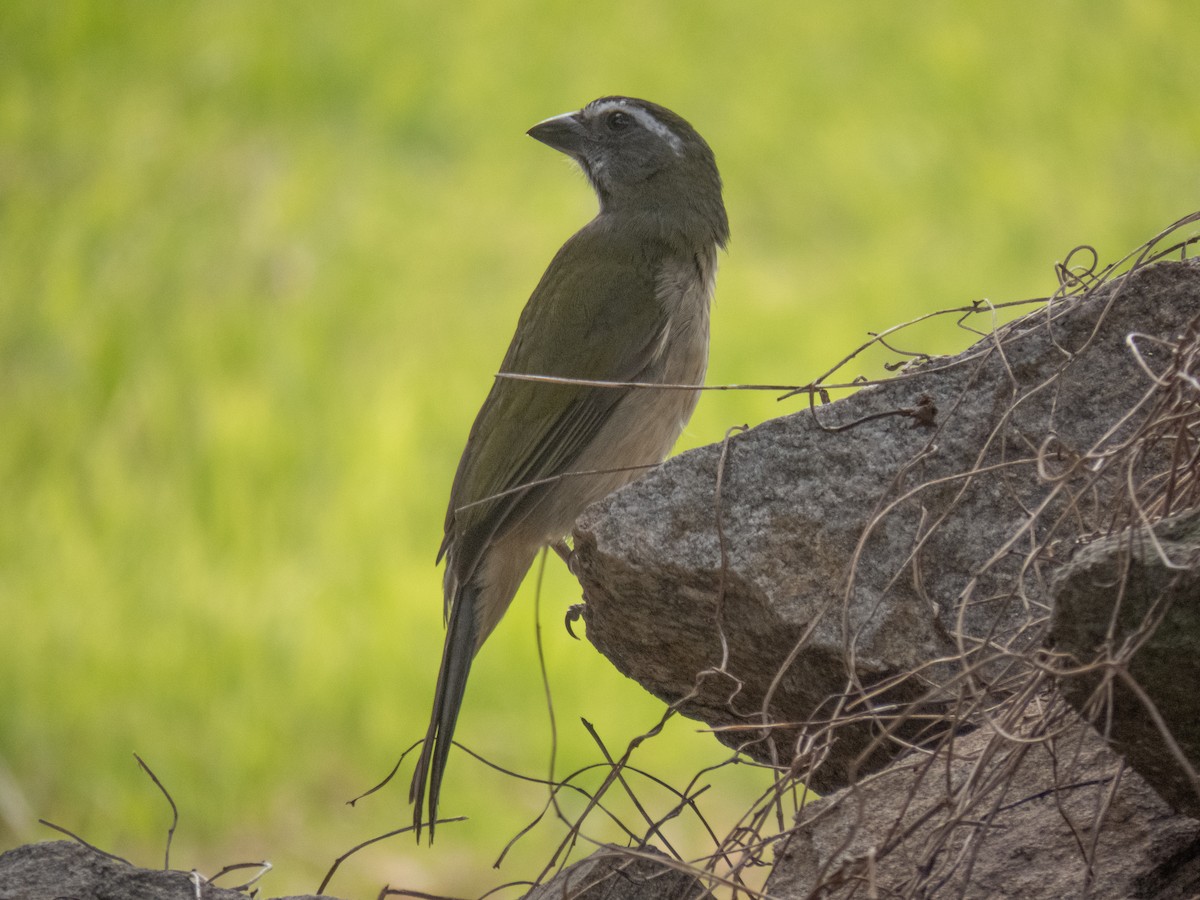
x: 1127, y: 611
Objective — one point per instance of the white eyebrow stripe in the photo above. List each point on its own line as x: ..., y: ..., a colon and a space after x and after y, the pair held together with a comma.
x: 647, y: 120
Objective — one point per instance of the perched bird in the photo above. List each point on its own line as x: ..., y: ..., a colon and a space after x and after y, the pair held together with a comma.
x: 626, y: 299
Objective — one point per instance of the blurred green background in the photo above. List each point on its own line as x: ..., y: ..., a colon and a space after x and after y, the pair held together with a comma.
x: 258, y: 262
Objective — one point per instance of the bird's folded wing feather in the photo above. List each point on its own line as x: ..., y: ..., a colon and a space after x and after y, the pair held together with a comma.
x: 595, y: 315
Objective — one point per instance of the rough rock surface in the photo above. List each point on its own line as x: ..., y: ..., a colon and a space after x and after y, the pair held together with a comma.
x: 58, y: 870
x: 1147, y: 629
x: 848, y: 553
x: 947, y: 826
x: 615, y: 874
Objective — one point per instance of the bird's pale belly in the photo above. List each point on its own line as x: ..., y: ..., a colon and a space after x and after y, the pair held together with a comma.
x: 639, y: 434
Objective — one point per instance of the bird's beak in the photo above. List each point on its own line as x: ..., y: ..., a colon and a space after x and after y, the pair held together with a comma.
x: 564, y: 133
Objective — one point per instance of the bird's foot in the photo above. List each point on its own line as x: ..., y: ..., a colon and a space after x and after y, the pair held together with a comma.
x: 565, y: 553
x: 575, y: 610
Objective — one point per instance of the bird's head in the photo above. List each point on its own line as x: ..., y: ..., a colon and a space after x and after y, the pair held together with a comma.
x: 643, y: 160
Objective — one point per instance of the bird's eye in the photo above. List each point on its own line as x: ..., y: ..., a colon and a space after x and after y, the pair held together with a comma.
x: 618, y: 121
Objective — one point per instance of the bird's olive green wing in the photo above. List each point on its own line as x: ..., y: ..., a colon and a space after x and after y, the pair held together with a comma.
x: 595, y: 315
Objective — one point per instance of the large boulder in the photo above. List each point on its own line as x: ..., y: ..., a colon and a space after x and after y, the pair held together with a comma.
x: 826, y: 588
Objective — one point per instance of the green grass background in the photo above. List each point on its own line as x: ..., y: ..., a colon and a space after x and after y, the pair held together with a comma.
x: 258, y: 262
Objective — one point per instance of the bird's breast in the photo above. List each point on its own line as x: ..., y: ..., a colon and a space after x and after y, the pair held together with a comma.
x: 648, y: 421
x: 645, y: 424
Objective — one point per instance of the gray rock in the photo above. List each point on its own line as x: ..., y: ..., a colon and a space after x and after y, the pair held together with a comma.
x: 1129, y: 603
x: 62, y: 870
x: 1051, y: 817
x: 859, y: 578
x: 612, y: 873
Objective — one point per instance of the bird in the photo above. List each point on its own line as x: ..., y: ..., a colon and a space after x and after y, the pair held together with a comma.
x: 625, y: 300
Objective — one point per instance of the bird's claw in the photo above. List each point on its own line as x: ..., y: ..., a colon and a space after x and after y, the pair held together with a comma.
x: 574, y: 614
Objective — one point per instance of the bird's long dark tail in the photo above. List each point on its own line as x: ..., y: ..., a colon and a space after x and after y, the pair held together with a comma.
x: 459, y: 651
